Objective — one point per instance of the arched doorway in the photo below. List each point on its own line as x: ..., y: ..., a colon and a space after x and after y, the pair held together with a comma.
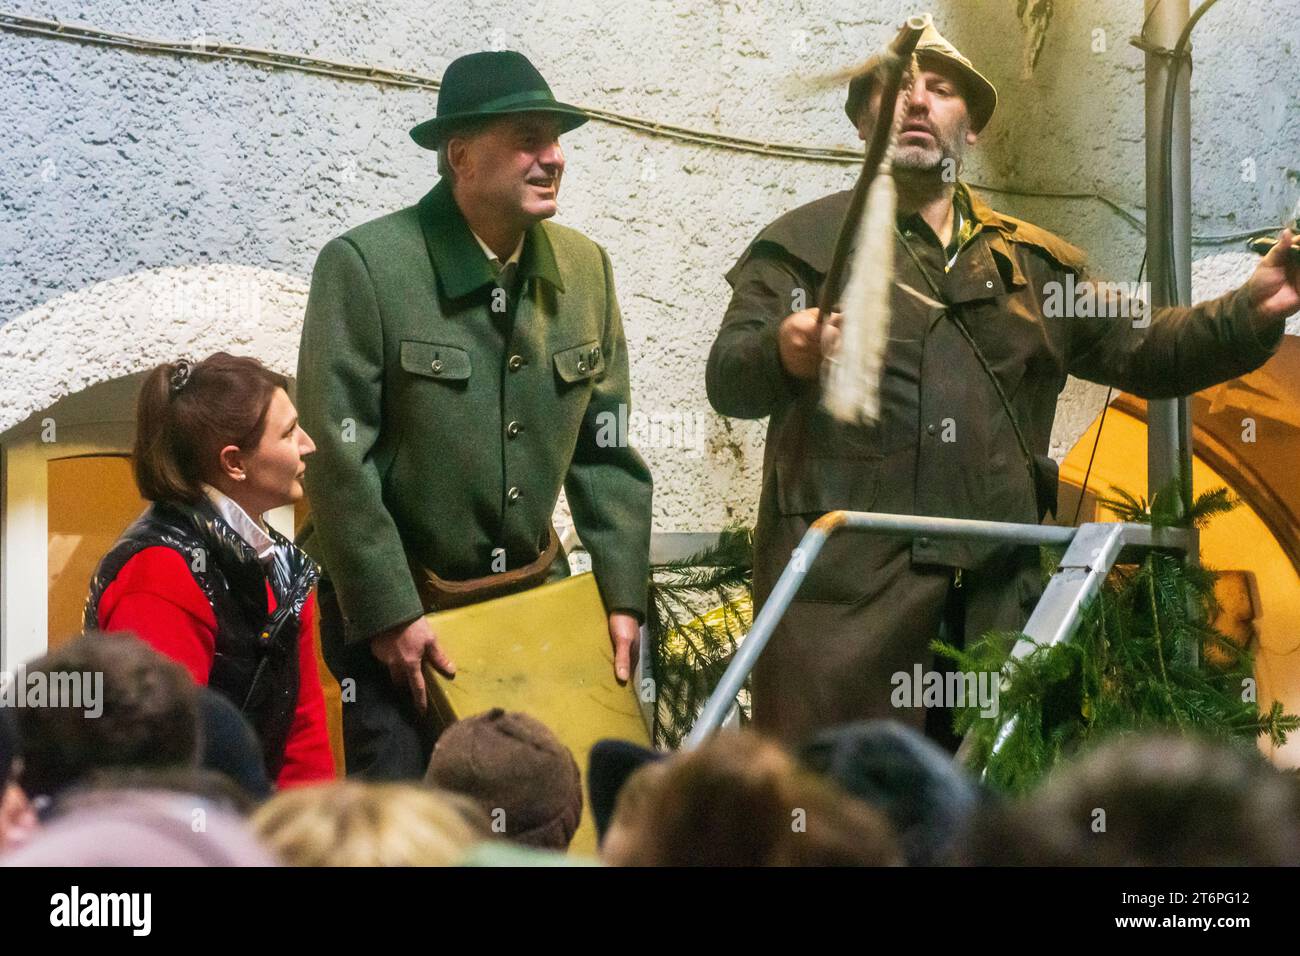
x: 69, y: 373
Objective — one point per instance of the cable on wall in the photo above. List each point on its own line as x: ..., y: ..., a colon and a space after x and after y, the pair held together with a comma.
x: 276, y: 60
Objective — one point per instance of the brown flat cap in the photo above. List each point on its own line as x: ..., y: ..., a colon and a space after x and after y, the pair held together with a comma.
x: 517, y: 770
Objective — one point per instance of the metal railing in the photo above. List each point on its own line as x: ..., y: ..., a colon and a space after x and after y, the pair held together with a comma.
x: 1091, y: 551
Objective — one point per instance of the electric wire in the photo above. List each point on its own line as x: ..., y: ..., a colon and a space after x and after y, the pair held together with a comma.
x: 205, y: 48
x: 1096, y: 439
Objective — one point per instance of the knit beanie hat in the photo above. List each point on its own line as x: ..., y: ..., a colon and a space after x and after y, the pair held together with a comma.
x: 517, y: 770
x: 141, y: 828
x: 896, y: 769
x: 230, y: 744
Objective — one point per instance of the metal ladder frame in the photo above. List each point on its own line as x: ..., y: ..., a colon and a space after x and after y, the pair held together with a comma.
x: 1092, y: 549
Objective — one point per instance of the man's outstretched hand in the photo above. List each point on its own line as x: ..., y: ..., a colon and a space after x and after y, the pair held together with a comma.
x: 1274, y: 286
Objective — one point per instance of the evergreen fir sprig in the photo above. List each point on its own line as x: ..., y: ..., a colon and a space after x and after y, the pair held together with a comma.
x: 1131, y: 665
x: 699, y: 609
x: 1165, y: 509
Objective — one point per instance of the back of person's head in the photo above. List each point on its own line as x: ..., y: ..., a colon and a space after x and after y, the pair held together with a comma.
x: 352, y: 823
x: 740, y: 800
x: 8, y: 747
x: 519, y: 772
x: 1150, y: 800
x: 17, y: 819
x: 631, y: 817
x: 209, y: 786
x: 110, y: 701
x: 900, y: 772
x: 125, y: 827
x: 611, y: 766
x: 188, y: 411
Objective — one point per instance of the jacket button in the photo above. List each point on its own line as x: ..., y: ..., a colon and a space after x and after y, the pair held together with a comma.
x: 594, y: 357
x: 436, y: 365
x: 923, y: 542
x: 989, y: 284
x: 512, y: 429
x: 930, y: 429
x: 516, y: 363
x: 514, y: 493
x: 582, y: 366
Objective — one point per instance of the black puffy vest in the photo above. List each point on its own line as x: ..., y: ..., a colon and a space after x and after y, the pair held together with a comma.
x: 256, y: 659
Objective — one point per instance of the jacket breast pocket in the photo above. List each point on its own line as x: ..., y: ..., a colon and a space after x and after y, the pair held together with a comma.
x: 446, y: 363
x: 579, y: 363
x: 807, y: 489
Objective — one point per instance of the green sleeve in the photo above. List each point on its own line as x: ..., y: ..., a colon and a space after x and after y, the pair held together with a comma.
x: 340, y: 389
x: 608, y: 485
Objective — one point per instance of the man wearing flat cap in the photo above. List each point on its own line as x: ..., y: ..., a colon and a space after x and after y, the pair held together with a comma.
x: 460, y: 362
x: 975, y: 359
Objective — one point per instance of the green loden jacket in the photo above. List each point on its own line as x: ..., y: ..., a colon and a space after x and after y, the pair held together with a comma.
x: 445, y: 425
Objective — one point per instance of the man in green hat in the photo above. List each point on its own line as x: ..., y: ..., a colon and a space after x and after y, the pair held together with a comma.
x: 461, y: 361
x: 988, y: 320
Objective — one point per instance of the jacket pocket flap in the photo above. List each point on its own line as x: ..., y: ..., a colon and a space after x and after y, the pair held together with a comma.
x: 579, y: 362
x: 435, y: 361
x: 818, y: 485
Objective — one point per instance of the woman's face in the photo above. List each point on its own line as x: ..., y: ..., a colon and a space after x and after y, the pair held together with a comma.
x: 273, y: 471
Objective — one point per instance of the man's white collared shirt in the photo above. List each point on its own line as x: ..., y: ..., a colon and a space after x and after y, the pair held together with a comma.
x: 494, y: 258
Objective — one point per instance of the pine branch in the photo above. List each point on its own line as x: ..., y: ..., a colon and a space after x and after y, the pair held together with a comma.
x: 691, y: 641
x: 1128, y: 667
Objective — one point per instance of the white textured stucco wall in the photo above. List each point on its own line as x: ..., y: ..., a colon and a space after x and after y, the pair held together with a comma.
x: 115, y: 162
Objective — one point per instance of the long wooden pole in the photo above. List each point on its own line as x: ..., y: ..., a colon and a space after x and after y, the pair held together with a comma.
x: 896, y: 58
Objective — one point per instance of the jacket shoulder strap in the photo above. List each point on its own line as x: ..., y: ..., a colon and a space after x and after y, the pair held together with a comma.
x: 1065, y: 255
x: 807, y: 234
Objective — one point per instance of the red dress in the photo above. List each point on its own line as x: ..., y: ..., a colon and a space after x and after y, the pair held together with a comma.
x: 156, y: 597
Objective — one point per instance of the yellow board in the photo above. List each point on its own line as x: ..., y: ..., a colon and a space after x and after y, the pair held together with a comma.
x: 545, y: 652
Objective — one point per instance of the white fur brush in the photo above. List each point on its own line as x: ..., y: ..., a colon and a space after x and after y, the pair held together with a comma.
x: 851, y: 376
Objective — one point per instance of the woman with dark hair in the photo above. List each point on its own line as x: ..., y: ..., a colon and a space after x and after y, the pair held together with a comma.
x: 200, y: 575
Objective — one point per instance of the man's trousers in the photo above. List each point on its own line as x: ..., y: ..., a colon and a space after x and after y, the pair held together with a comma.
x: 867, y: 614
x: 384, y: 737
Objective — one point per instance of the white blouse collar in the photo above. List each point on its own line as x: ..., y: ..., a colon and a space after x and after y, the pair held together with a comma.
x: 251, y: 531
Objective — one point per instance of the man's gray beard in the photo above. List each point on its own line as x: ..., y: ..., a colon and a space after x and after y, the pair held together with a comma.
x: 922, y: 159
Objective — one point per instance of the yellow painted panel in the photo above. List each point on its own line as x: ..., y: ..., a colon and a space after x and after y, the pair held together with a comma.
x: 92, y: 499
x: 545, y: 652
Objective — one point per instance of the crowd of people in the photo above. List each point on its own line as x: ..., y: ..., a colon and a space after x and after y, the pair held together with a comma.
x: 170, y: 773
x: 198, y: 734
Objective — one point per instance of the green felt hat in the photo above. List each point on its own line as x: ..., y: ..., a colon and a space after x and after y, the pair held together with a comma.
x: 483, y: 85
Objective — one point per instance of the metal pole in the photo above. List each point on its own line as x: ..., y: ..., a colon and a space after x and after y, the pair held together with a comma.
x: 1092, y: 549
x: 1169, y: 230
